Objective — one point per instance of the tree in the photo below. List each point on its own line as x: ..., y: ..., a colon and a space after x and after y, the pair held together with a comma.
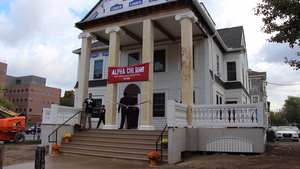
x: 291, y: 109
x: 68, y: 99
x: 4, y: 102
x: 277, y: 118
x: 281, y: 18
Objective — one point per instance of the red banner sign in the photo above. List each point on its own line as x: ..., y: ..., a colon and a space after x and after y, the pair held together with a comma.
x: 134, y: 73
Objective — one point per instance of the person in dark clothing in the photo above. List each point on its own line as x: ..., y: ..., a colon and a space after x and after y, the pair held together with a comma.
x: 135, y: 112
x: 126, y: 111
x: 90, y: 104
x: 102, y: 112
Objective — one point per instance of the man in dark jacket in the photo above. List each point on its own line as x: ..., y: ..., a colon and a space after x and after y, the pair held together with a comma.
x: 90, y: 104
x: 126, y: 111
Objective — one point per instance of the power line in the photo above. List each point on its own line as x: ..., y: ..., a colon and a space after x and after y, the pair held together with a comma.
x: 274, y: 83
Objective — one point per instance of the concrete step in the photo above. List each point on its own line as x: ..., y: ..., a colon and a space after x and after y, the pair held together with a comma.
x: 123, y: 144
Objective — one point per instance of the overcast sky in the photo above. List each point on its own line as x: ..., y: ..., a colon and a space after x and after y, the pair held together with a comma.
x: 37, y: 37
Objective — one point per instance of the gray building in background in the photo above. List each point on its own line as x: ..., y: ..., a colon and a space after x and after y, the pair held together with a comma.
x: 258, y: 89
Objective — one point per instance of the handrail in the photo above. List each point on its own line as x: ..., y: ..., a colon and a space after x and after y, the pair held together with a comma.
x: 161, y: 138
x: 60, y: 127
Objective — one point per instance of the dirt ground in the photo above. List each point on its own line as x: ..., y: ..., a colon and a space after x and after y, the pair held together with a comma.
x: 279, y: 155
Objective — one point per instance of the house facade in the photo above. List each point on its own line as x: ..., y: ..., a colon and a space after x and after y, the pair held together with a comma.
x: 217, y: 59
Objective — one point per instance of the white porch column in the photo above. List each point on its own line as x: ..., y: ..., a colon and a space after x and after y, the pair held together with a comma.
x: 186, y: 20
x: 147, y: 86
x: 111, y: 92
x: 84, y: 67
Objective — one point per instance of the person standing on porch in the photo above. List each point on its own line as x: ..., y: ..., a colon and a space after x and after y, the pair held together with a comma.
x: 102, y: 112
x: 90, y: 104
x: 135, y: 113
x: 125, y: 102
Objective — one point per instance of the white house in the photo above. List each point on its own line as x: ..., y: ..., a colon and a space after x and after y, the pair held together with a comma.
x: 204, y: 69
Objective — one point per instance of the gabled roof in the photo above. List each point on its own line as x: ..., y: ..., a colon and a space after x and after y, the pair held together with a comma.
x: 232, y: 37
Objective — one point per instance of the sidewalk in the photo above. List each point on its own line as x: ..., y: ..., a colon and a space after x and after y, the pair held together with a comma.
x: 70, y: 161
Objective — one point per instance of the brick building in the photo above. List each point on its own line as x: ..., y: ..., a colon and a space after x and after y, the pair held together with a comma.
x: 30, y: 95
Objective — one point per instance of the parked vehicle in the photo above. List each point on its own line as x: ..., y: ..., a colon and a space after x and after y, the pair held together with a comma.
x: 286, y: 133
x: 29, y: 130
x: 32, y: 130
x: 296, y: 129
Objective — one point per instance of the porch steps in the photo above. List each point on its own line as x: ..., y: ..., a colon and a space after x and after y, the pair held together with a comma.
x: 122, y: 144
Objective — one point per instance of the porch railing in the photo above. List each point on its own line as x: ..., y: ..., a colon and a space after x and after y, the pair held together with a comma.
x: 229, y: 115
x: 59, y: 114
x: 176, y: 114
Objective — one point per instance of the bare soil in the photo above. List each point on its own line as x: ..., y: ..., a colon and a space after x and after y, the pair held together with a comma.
x: 279, y: 155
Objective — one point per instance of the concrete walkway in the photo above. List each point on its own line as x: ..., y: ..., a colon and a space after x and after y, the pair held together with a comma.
x: 70, y: 161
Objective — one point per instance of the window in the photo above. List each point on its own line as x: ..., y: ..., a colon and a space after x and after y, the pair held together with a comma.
x: 1, y: 72
x: 31, y: 99
x: 24, y: 109
x: 231, y: 71
x: 44, y: 92
x: 32, y: 90
x: 43, y: 101
x: 49, y: 93
x: 25, y: 100
x: 98, y: 69
x: 254, y: 99
x: 133, y: 59
x: 21, y: 100
x: 17, y: 99
x: 18, y: 81
x: 26, y: 89
x: 159, y: 60
x: 159, y: 105
x: 218, y: 66
x: 14, y: 90
x: 18, y: 90
x: 13, y: 100
x: 30, y: 109
x: 29, y: 119
x: 20, y: 109
x: 218, y: 99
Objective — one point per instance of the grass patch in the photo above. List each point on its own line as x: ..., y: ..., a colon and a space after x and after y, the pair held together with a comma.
x: 13, y: 148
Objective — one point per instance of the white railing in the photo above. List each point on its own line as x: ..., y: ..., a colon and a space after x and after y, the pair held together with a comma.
x: 176, y: 114
x: 59, y: 114
x: 228, y: 115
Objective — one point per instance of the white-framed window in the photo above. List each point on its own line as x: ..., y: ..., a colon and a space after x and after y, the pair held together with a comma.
x: 254, y: 99
x: 133, y: 58
x: 231, y: 71
x: 218, y: 66
x: 159, y: 104
x: 98, y: 69
x: 159, y: 60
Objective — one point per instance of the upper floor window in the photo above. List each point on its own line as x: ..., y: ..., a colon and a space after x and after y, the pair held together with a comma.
x: 1, y: 72
x: 231, y: 71
x: 159, y: 60
x: 133, y: 59
x: 98, y: 69
x: 254, y: 99
x: 32, y: 90
x: 218, y: 66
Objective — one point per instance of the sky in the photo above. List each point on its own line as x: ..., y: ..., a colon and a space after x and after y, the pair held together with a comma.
x: 37, y: 37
